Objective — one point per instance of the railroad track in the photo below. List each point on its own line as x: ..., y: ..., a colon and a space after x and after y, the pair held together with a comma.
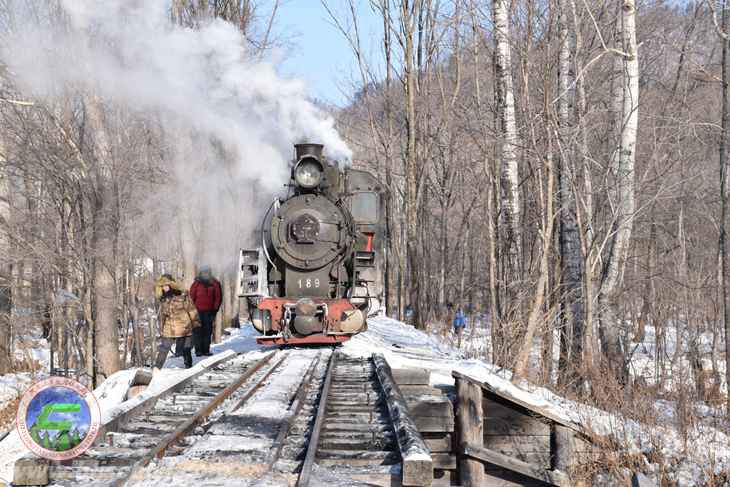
x: 352, y: 436
x: 163, y: 430
x: 303, y: 417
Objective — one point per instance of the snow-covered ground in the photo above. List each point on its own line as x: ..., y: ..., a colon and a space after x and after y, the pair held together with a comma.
x: 239, y: 340
x: 688, y: 458
x: 34, y: 354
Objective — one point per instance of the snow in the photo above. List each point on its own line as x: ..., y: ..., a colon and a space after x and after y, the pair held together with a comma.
x: 113, y: 390
x: 13, y: 385
x: 689, y: 456
x: 239, y: 340
x: 273, y: 401
x: 234, y: 450
x: 110, y: 393
x: 703, y: 448
x: 161, y: 381
x: 419, y: 457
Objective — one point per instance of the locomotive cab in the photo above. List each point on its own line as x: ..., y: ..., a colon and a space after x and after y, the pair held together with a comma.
x: 318, y: 273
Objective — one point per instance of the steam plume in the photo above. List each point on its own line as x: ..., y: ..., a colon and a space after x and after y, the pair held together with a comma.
x: 204, y: 86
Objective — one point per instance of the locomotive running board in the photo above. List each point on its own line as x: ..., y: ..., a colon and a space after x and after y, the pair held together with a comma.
x: 310, y: 340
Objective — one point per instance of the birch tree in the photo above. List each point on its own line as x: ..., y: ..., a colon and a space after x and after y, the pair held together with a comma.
x: 6, y: 331
x: 572, y: 311
x: 621, y: 187
x: 507, y: 132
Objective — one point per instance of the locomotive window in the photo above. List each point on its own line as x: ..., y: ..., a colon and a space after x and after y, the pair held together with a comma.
x: 364, y: 207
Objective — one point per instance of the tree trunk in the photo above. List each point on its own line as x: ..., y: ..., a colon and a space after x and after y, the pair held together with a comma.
x: 724, y: 264
x: 106, y: 333
x: 534, y: 318
x: 621, y: 169
x: 411, y: 156
x: 572, y: 311
x: 509, y: 141
x: 6, y: 277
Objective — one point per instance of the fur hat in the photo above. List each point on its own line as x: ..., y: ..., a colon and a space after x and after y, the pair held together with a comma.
x: 165, y: 280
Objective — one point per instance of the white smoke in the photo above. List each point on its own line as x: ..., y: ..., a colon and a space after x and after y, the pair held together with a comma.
x: 203, y: 84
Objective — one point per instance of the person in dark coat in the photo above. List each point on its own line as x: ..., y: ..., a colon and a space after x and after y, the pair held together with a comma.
x: 459, y: 323
x: 178, y: 320
x: 206, y: 294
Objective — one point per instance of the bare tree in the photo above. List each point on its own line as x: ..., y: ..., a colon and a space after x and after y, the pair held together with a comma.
x: 621, y: 191
x: 724, y: 274
x: 571, y: 256
x: 509, y: 138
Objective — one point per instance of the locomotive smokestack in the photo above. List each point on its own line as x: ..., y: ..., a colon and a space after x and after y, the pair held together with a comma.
x: 312, y: 150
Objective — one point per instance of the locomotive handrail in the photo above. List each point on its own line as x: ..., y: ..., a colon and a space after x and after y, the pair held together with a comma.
x: 263, y: 239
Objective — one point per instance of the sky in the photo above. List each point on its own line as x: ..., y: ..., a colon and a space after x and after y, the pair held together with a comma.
x: 317, y: 52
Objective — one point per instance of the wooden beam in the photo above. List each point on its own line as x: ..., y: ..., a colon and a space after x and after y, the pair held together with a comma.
x: 411, y: 377
x: 417, y: 463
x: 469, y: 427
x: 537, y: 410
x: 552, y: 477
x: 562, y: 448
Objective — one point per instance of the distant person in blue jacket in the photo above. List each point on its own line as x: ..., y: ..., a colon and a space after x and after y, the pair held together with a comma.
x: 409, y: 314
x: 459, y: 323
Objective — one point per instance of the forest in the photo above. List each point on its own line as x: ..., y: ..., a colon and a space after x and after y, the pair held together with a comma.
x: 558, y: 168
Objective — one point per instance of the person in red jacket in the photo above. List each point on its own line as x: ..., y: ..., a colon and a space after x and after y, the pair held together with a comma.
x: 206, y: 294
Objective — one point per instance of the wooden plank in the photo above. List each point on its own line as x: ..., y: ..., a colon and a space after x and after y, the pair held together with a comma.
x: 527, y: 442
x: 508, y: 410
x: 438, y: 442
x: 30, y: 470
x: 552, y: 477
x: 434, y: 406
x: 501, y: 427
x: 530, y: 407
x: 500, y: 477
x: 470, y: 424
x: 445, y: 478
x: 409, y: 390
x: 536, y: 459
x: 518, y: 444
x: 421, y: 377
x: 428, y: 424
x: 380, y: 480
x: 417, y: 466
x: 563, y: 452
x: 445, y: 461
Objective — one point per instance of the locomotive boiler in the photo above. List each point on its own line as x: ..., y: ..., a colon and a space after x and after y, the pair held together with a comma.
x: 318, y: 273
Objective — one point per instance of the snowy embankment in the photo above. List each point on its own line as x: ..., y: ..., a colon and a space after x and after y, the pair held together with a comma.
x: 110, y: 394
x: 34, y: 354
x: 690, y: 457
x: 702, y: 450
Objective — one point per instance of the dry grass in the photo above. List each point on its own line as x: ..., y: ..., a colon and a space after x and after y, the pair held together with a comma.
x: 7, y: 414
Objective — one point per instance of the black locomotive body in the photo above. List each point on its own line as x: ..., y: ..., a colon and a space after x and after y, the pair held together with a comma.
x: 319, y: 271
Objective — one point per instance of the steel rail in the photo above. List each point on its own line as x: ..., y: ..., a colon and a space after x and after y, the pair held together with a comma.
x: 306, y: 471
x: 158, y: 451
x: 294, y: 408
x: 255, y: 388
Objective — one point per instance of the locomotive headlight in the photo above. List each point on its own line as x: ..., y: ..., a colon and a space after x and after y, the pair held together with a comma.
x: 308, y: 173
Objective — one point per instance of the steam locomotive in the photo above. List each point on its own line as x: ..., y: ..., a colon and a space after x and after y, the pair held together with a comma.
x: 318, y: 273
